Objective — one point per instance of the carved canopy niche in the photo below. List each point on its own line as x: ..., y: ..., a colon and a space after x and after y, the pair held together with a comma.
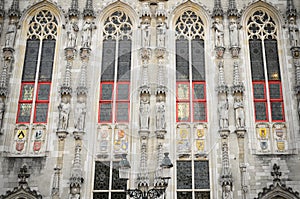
x: 278, y: 190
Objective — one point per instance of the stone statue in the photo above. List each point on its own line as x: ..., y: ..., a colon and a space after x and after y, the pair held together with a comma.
x: 146, y: 35
x: 160, y: 114
x: 239, y: 113
x: 223, y: 114
x: 234, y: 36
x: 294, y: 32
x: 10, y: 34
x: 144, y: 113
x: 219, y: 33
x: 2, y: 109
x: 72, y: 29
x: 227, y: 193
x: 80, y: 114
x: 161, y: 31
x: 64, y: 112
x: 87, y: 34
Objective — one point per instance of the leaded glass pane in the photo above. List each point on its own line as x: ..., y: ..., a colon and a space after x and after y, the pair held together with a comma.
x: 260, y: 111
x: 184, y: 195
x: 277, y: 111
x: 275, y: 91
x: 27, y: 91
x: 256, y: 59
x: 198, y: 63
x: 117, y: 183
x: 201, y: 174
x: 183, y: 91
x: 101, y: 178
x: 24, y: 112
x: 106, y: 93
x: 202, y: 195
x: 124, y: 60
x: 199, y: 92
x: 122, y: 111
x: 108, y: 60
x: 31, y: 58
x: 43, y: 92
x: 182, y: 60
x: 105, y: 112
x: 100, y: 196
x: 184, y: 175
x: 199, y: 111
x: 272, y: 59
x: 123, y: 92
x: 48, y: 50
x: 259, y: 91
x: 118, y: 195
x: 41, y: 110
x: 183, y: 111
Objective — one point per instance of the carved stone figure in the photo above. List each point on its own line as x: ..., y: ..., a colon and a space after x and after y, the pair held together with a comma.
x: 87, y: 34
x: 10, y: 34
x: 223, y: 114
x: 227, y: 193
x: 80, y: 114
x: 160, y: 114
x: 144, y: 112
x: 161, y: 31
x: 72, y: 29
x: 294, y: 32
x: 2, y: 109
x: 219, y: 33
x: 239, y: 113
x: 234, y: 36
x: 64, y: 112
x: 146, y: 35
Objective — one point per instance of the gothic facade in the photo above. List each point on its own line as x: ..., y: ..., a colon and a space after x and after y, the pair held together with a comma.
x: 213, y: 86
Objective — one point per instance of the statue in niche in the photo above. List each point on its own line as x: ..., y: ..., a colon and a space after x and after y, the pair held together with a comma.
x: 146, y: 35
x: 294, y: 32
x: 227, y: 192
x: 72, y: 29
x: 64, y: 112
x: 144, y: 112
x: 219, y: 33
x: 10, y: 34
x: 161, y: 31
x: 223, y: 114
x: 239, y: 112
x: 80, y: 114
x: 234, y: 36
x: 87, y: 34
x: 160, y: 111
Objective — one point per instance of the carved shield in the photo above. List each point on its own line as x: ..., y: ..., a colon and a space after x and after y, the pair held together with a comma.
x: 280, y: 145
x: 263, y: 133
x: 263, y: 145
x: 200, y: 145
x: 37, y: 146
x: 20, y: 146
x: 200, y: 133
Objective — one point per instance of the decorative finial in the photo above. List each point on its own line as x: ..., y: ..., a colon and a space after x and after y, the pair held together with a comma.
x: 14, y: 10
x: 88, y: 11
x: 23, y: 175
x: 218, y: 10
x: 73, y: 10
x: 222, y: 87
x: 290, y: 9
x: 238, y: 86
x: 232, y: 10
x: 276, y: 173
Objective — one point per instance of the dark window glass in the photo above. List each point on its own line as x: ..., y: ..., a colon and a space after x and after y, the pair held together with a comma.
x: 259, y: 91
x: 256, y: 59
x: 108, y: 60
x: 124, y: 60
x: 43, y: 92
x: 184, y: 174
x: 182, y: 60
x: 41, y: 110
x: 117, y: 183
x: 24, y: 112
x: 122, y: 111
x: 202, y: 195
x: 201, y: 173
x: 272, y: 59
x: 123, y: 91
x: 106, y: 91
x: 100, y: 196
x: 198, y: 63
x: 260, y: 111
x: 118, y: 195
x: 31, y: 58
x: 199, y: 111
x: 101, y: 178
x: 277, y: 110
x: 48, y: 50
x: 27, y: 92
x: 105, y: 112
x: 199, y: 91
x: 275, y: 91
x: 184, y: 195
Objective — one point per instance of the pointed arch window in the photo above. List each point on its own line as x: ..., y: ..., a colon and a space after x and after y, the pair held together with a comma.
x: 115, y: 69
x: 37, y: 69
x: 190, y: 69
x: 265, y: 68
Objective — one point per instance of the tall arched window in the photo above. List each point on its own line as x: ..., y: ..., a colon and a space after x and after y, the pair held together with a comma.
x: 265, y: 68
x: 37, y: 70
x: 115, y: 72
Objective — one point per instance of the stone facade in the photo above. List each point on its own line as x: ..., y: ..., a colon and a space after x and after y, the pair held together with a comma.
x: 70, y: 151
